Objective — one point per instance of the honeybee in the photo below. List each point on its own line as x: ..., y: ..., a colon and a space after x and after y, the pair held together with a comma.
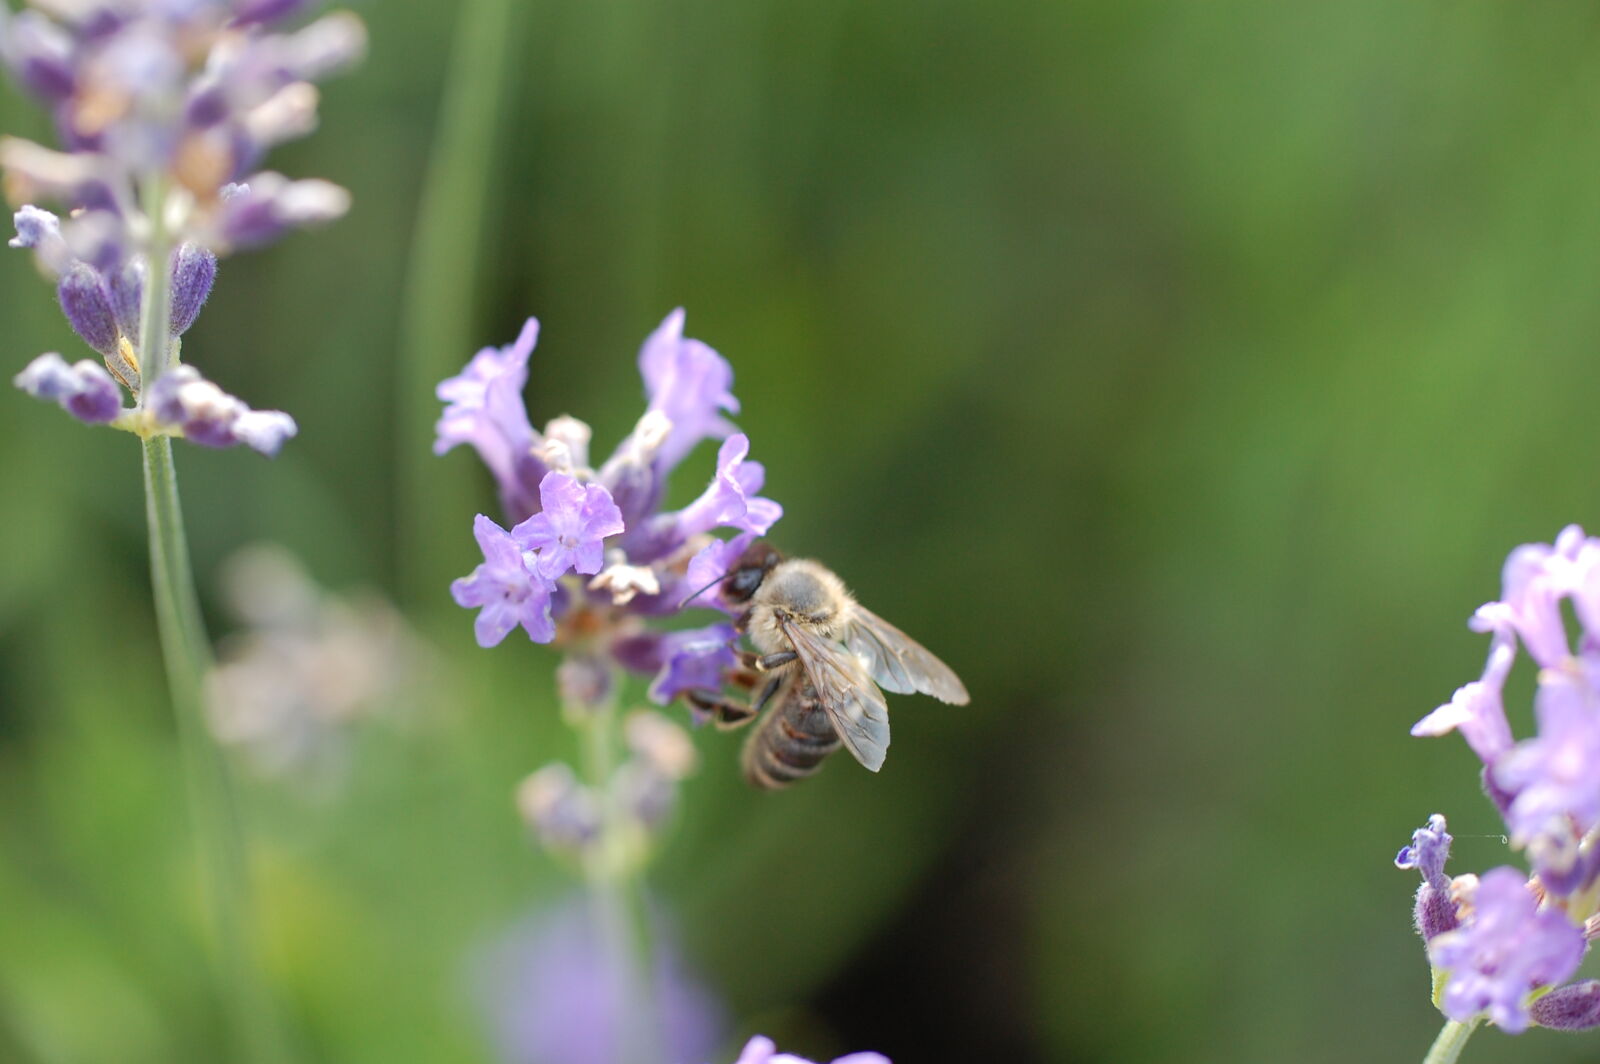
x: 826, y: 657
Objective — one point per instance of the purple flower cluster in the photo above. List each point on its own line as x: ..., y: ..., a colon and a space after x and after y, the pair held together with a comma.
x: 1504, y: 937
x: 567, y: 815
x: 590, y: 555
x: 165, y: 111
x: 191, y: 94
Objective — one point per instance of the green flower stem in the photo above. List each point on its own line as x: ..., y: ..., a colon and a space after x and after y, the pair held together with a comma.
x: 442, y: 286
x: 1452, y: 1038
x: 616, y: 891
x: 187, y: 655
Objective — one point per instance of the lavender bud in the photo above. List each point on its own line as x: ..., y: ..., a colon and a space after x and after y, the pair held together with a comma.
x: 84, y: 389
x: 1570, y: 1008
x: 194, y: 270
x: 558, y: 807
x: 1435, y: 910
x: 207, y: 415
x: 270, y: 204
x: 264, y: 431
x: 88, y: 308
x: 125, y: 286
x: 645, y: 793
x: 661, y: 743
x: 583, y: 681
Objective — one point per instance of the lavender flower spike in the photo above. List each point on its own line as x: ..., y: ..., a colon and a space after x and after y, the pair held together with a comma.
x: 570, y: 529
x: 506, y: 588
x: 761, y: 1050
x: 1509, y: 948
x: 84, y: 390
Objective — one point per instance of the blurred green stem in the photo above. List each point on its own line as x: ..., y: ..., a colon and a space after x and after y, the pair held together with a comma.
x: 188, y: 655
x: 442, y: 285
x: 616, y: 890
x: 1452, y: 1038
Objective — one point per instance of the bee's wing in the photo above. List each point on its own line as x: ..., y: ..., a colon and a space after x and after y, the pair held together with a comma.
x: 854, y: 705
x: 900, y: 663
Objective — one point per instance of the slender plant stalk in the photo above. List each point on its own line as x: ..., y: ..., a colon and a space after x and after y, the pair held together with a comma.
x: 187, y: 655
x: 1452, y: 1038
x: 442, y: 285
x: 616, y: 894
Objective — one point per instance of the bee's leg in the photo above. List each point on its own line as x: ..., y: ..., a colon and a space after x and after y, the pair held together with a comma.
x: 724, y: 712
x: 768, y: 662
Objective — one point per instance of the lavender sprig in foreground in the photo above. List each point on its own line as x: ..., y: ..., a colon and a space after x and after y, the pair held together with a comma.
x: 1501, y: 945
x: 590, y: 562
x: 164, y: 112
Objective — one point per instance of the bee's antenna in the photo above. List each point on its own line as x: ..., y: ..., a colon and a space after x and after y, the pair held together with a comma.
x: 708, y: 587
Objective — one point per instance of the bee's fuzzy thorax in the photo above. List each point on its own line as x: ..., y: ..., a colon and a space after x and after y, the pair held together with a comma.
x: 808, y: 593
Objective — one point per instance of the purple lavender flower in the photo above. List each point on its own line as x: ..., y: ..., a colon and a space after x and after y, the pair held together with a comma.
x: 1506, y: 949
x: 606, y: 524
x: 553, y: 997
x: 1435, y: 912
x: 689, y: 384
x: 1477, y: 708
x: 762, y: 1050
x: 84, y: 390
x: 693, y: 660
x: 184, y: 401
x: 506, y: 588
x: 486, y: 410
x: 702, y: 582
x: 730, y: 500
x: 1546, y: 786
x: 570, y: 529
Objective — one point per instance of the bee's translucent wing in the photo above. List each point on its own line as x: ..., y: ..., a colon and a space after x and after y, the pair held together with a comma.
x: 854, y: 705
x: 900, y: 663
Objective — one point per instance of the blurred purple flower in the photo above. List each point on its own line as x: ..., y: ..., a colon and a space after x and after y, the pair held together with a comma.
x: 552, y: 997
x: 505, y: 589
x: 83, y: 389
x: 205, y: 414
x: 1506, y: 949
x: 1547, y: 787
x: 570, y: 529
x: 762, y: 1050
x: 1477, y: 708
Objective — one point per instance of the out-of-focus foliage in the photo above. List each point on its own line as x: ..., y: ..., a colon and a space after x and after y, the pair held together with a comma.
x: 1179, y: 372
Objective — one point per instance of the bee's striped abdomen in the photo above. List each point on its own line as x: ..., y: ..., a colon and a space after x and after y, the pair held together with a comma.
x: 791, y: 742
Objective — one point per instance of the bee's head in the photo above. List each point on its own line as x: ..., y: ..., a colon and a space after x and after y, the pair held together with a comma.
x: 753, y: 566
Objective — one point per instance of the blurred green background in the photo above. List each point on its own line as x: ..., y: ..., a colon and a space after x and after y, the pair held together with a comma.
x: 1180, y: 372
